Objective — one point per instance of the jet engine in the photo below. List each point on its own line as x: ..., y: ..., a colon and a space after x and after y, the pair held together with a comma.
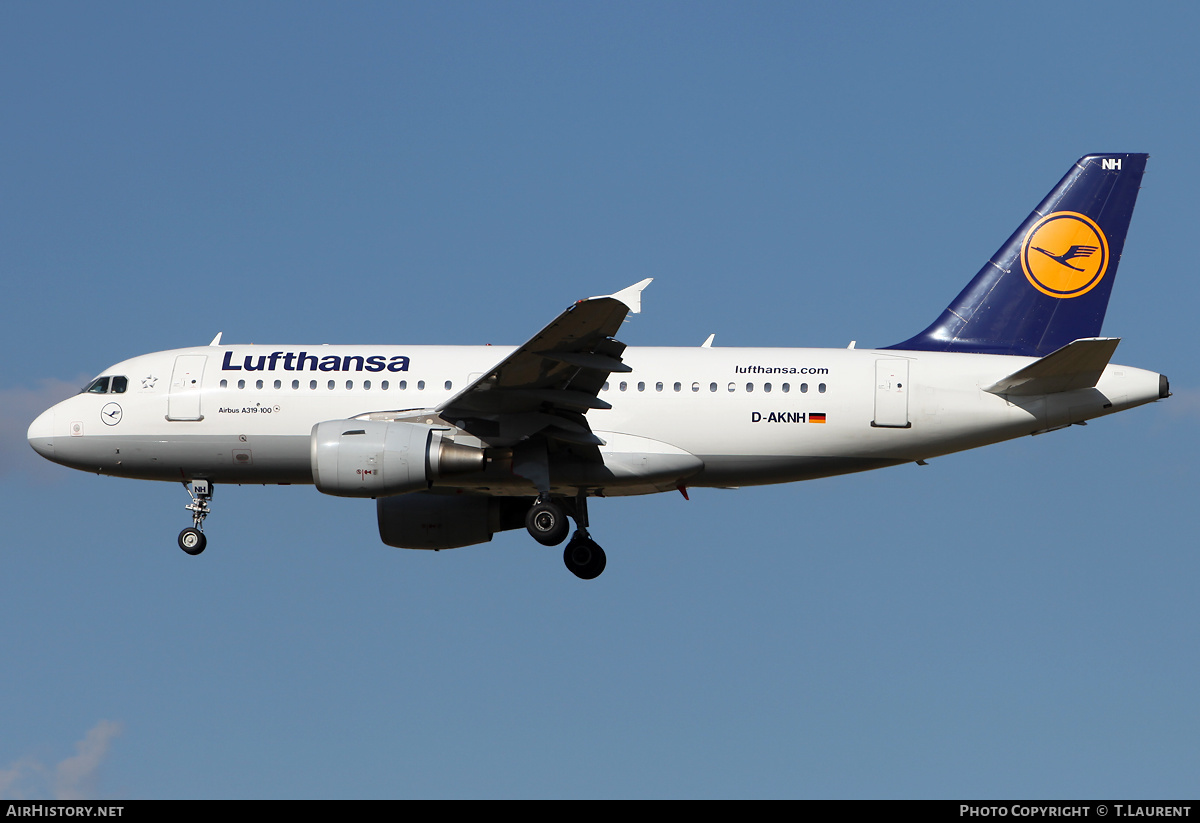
x: 436, y: 520
x: 372, y: 458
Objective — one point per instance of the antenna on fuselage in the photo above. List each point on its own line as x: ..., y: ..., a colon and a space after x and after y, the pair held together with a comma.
x: 216, y: 341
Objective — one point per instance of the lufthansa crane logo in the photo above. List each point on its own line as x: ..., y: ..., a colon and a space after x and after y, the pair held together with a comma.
x: 1065, y: 254
x: 110, y: 414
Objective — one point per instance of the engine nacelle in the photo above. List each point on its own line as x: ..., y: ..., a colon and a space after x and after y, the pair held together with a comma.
x: 373, y: 458
x: 432, y: 520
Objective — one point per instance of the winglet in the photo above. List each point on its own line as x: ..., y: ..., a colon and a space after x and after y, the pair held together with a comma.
x: 631, y: 296
x: 216, y: 341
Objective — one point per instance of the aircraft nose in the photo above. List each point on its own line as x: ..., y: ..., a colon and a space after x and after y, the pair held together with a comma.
x: 41, y: 434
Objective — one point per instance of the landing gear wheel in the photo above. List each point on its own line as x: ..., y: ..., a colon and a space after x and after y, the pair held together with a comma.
x: 547, y: 523
x: 192, y: 541
x: 584, y: 558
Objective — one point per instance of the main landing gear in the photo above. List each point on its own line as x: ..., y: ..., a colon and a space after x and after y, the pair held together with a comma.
x: 192, y: 540
x: 547, y: 524
x: 583, y: 557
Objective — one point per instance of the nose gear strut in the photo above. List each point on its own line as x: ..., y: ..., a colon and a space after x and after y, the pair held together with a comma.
x: 192, y: 540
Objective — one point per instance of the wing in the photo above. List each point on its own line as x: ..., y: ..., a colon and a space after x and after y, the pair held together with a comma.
x: 546, y: 386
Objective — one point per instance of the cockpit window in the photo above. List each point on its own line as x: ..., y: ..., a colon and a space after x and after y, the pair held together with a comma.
x: 101, y: 385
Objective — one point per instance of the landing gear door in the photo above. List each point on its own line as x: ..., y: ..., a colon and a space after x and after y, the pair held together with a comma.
x: 891, y: 394
x: 183, y: 403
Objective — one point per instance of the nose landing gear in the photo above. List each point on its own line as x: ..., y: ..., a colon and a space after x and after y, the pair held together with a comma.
x: 192, y: 540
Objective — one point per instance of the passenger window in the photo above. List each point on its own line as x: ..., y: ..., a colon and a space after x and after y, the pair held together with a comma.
x: 605, y: 387
x: 295, y: 385
x: 366, y: 384
x: 403, y: 385
x: 349, y: 384
x: 641, y: 386
x: 624, y: 385
x: 383, y: 385
x: 749, y: 387
x: 821, y: 388
x: 767, y: 387
x: 241, y: 384
x: 224, y: 383
x: 785, y: 388
x: 258, y: 384
x: 449, y: 385
x: 658, y: 386
x: 695, y: 387
x: 279, y: 384
x: 678, y: 386
x: 312, y: 385
x: 331, y: 385
x: 99, y: 386
x: 420, y: 385
x: 803, y: 388
x: 119, y: 385
x: 712, y: 386
x: 731, y: 387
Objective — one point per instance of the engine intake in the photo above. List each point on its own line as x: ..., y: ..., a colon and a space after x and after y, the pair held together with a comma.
x: 372, y: 458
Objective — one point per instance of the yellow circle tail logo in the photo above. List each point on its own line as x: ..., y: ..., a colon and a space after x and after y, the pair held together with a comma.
x: 1065, y: 254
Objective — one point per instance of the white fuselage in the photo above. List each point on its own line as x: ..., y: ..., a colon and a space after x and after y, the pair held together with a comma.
x: 723, y: 416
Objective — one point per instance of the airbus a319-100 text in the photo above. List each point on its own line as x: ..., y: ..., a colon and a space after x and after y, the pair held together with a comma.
x: 457, y: 443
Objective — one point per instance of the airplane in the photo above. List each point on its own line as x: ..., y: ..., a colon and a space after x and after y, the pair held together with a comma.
x: 457, y: 443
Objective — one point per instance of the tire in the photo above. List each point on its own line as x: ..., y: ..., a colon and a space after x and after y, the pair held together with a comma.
x: 192, y: 541
x: 547, y: 523
x: 584, y: 558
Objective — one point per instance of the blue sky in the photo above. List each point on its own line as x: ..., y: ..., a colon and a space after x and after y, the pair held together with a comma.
x: 1015, y: 621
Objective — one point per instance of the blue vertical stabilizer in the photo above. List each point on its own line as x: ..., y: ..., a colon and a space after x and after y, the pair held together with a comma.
x: 1049, y: 283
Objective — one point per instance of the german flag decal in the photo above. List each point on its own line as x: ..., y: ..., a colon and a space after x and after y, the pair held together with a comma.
x: 816, y: 417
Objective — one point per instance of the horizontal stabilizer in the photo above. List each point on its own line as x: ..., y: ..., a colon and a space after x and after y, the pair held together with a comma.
x: 1077, y: 365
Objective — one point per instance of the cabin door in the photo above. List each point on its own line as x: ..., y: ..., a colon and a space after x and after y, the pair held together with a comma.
x: 891, y: 394
x: 183, y: 403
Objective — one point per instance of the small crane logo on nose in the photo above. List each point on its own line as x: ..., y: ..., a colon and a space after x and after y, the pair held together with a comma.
x: 110, y: 414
